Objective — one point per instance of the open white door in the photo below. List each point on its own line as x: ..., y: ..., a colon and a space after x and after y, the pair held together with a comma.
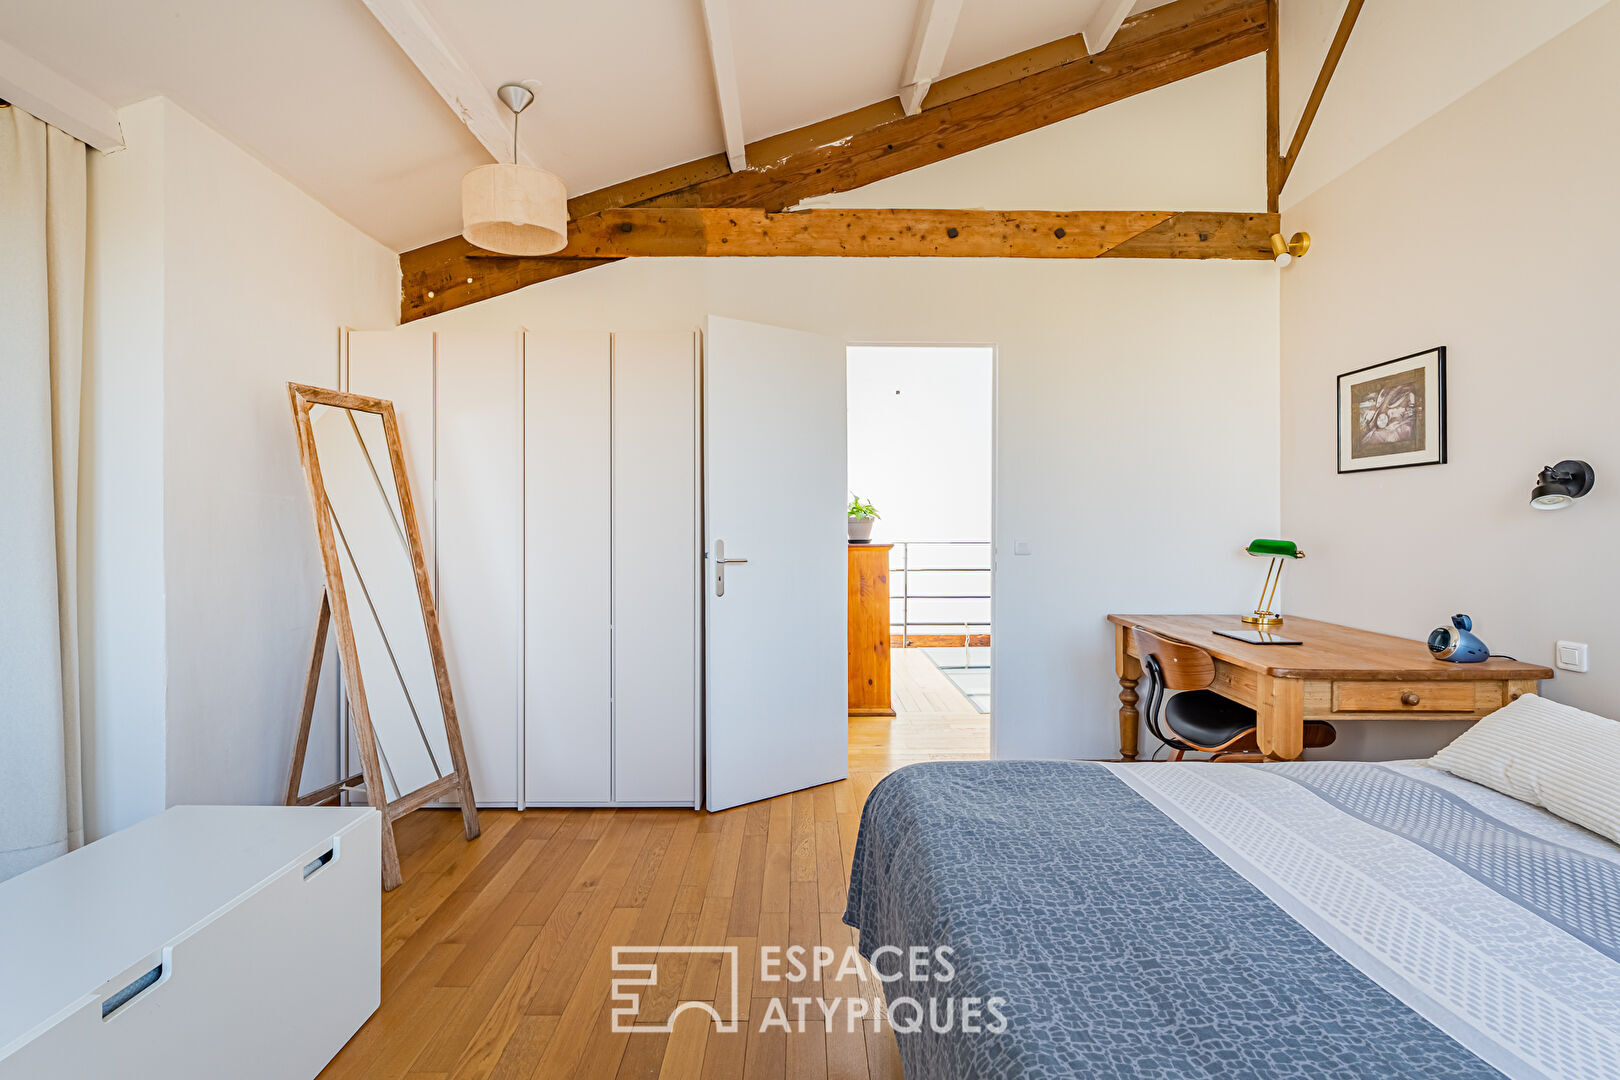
x: 776, y: 659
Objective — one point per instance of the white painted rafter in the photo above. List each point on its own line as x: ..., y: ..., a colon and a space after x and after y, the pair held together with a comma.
x: 419, y: 37
x: 936, y: 23
x: 61, y: 103
x: 1105, y: 23
x: 723, y: 58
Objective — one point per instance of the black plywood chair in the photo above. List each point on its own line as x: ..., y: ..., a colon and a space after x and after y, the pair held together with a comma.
x: 1194, y: 717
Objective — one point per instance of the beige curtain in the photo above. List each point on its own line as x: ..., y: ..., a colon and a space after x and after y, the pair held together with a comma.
x: 42, y: 251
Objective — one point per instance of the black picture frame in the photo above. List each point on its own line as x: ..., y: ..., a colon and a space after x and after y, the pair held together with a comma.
x: 1433, y: 413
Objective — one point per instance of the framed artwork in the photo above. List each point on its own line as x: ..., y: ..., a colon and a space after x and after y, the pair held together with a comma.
x: 1393, y: 415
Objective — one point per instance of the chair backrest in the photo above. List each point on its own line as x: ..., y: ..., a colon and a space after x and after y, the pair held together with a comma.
x: 1181, y: 666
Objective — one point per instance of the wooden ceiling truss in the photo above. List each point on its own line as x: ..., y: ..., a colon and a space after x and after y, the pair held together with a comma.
x: 705, y: 208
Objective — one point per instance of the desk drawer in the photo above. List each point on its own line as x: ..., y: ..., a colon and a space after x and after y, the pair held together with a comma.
x: 1415, y: 697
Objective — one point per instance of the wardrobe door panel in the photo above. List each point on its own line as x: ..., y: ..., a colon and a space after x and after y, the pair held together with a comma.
x: 568, y: 568
x: 655, y: 567
x: 479, y: 511
x: 398, y: 366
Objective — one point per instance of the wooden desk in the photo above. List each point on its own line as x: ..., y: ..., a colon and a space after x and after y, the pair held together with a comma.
x: 1337, y: 674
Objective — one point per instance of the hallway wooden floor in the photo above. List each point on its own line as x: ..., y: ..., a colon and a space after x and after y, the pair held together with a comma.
x: 497, y: 953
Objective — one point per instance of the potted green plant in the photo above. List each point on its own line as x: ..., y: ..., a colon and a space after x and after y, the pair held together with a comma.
x: 861, y: 516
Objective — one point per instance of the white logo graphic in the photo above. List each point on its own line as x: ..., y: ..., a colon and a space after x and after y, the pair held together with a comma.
x: 626, y: 992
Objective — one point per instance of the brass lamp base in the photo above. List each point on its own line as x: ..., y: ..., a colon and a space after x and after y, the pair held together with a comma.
x: 1279, y: 550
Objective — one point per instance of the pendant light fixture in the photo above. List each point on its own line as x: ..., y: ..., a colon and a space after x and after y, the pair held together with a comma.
x: 514, y: 209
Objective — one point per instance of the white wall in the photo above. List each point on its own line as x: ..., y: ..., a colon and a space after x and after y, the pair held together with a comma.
x: 1486, y: 229
x: 1137, y: 400
x: 213, y: 283
x: 260, y: 280
x: 921, y: 447
x: 1405, y: 61
x: 121, y: 657
x: 920, y: 428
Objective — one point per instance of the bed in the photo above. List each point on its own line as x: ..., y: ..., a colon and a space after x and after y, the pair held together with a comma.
x: 1308, y: 920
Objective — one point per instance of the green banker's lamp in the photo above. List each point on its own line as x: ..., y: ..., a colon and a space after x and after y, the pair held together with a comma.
x: 1276, y: 551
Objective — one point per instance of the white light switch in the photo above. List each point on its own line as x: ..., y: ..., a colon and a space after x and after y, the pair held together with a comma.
x: 1572, y: 655
x: 1020, y: 547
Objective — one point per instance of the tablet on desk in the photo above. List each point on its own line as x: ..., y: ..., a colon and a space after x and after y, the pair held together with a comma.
x: 1259, y: 637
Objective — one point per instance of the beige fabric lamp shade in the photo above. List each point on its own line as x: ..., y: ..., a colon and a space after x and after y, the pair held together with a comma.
x: 514, y: 210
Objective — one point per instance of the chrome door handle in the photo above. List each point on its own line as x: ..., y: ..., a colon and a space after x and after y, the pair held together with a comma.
x: 720, y: 564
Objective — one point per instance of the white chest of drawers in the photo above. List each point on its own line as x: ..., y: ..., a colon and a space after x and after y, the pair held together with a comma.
x: 206, y: 942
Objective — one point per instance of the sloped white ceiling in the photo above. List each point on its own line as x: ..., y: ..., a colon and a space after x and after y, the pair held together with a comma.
x: 319, y: 92
x: 314, y: 88
x: 1405, y: 62
x: 1197, y: 144
x: 625, y: 84
x: 984, y: 32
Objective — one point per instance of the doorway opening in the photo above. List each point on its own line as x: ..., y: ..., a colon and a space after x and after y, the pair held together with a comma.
x: 921, y: 453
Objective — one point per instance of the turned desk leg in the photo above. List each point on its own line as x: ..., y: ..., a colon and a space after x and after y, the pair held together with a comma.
x: 1129, y: 670
x: 1280, y: 721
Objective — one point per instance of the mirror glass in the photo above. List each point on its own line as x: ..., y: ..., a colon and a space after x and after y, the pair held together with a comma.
x: 390, y: 636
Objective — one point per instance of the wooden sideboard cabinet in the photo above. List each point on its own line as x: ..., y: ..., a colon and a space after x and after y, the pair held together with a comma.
x: 869, y: 693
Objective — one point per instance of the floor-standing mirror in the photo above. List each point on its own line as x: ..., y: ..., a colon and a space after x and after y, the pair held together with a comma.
x: 379, y: 602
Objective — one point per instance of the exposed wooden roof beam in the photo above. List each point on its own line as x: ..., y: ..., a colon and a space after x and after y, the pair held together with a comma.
x: 1340, y: 39
x: 1105, y: 23
x: 495, y: 275
x: 677, y: 232
x: 723, y: 59
x: 474, y: 104
x: 963, y: 113
x: 1028, y: 234
x: 936, y: 23
x: 61, y: 103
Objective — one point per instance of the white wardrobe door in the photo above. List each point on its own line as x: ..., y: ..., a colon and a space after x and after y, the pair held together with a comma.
x: 398, y: 366
x: 479, y: 449
x: 568, y: 568
x: 655, y: 567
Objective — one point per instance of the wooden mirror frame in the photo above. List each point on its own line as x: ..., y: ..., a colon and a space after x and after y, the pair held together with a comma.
x: 334, y: 610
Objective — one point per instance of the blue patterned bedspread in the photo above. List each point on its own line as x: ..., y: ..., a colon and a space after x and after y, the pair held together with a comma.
x: 1311, y: 921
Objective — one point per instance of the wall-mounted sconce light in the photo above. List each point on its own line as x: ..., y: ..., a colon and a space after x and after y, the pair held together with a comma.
x: 1286, y: 251
x: 1559, y: 485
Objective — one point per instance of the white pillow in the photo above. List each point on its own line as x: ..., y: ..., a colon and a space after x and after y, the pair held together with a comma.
x: 1545, y: 754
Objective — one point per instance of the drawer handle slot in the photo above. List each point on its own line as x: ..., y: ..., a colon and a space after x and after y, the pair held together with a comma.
x: 129, y: 993
x: 314, y: 866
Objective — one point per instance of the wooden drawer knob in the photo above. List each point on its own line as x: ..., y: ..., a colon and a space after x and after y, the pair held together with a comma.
x: 1409, y: 698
